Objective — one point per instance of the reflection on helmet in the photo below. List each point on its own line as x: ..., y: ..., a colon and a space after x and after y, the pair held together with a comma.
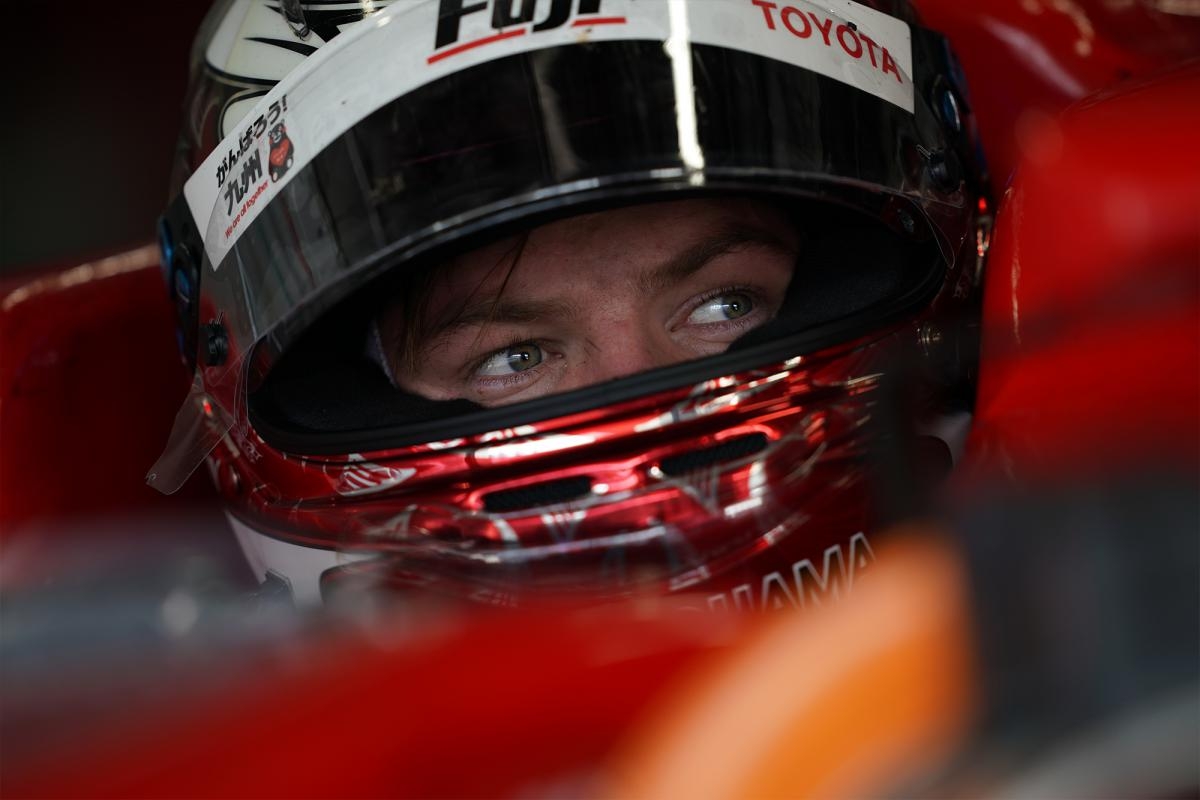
x: 509, y: 300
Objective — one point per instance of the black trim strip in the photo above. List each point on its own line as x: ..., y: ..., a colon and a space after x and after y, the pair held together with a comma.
x: 728, y: 450
x: 238, y: 80
x: 536, y: 495
x: 305, y: 50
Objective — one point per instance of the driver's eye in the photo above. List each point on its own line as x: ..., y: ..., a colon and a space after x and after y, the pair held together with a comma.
x: 722, y: 308
x: 513, y: 359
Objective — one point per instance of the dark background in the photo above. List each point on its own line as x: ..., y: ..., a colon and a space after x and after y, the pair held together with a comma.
x: 92, y: 96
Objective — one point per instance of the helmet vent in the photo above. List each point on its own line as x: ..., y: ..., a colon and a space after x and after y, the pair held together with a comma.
x: 545, y: 493
x: 729, y: 450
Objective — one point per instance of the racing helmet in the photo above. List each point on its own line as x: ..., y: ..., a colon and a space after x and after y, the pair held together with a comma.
x: 338, y: 159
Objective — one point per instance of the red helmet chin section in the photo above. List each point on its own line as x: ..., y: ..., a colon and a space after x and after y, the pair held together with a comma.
x: 749, y: 491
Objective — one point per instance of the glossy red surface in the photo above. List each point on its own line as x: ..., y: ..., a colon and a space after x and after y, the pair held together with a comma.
x: 1026, y: 60
x: 89, y: 383
x: 1091, y: 352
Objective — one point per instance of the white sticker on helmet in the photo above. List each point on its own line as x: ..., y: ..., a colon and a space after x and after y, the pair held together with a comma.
x: 410, y: 45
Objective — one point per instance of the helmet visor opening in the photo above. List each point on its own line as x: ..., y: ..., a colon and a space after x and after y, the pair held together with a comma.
x: 790, y: 280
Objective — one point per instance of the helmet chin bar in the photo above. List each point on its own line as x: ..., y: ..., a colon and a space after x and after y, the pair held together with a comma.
x: 734, y: 475
x: 310, y: 576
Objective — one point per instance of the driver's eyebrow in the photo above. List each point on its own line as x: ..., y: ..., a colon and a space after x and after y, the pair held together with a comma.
x: 501, y: 310
x: 693, y: 259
